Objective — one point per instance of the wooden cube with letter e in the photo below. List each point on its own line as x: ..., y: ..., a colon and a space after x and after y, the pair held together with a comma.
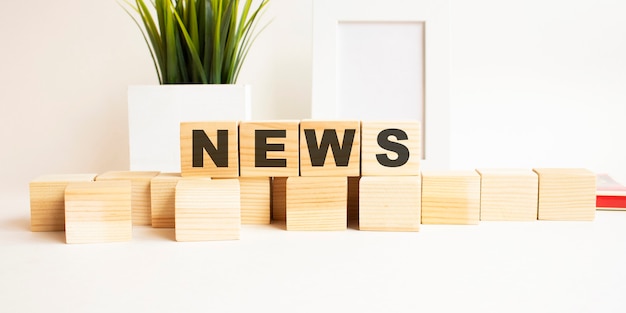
x: 209, y: 149
x: 390, y: 148
x: 330, y: 148
x: 269, y: 148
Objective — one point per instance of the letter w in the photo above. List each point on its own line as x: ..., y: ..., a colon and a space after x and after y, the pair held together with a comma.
x: 329, y: 138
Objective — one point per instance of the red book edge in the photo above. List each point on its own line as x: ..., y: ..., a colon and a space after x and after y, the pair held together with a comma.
x: 611, y: 202
x: 610, y: 194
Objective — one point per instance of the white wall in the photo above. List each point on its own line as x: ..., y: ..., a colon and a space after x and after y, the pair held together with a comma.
x: 539, y: 83
x: 534, y: 83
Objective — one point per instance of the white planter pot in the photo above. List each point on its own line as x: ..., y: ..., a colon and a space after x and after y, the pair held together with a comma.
x: 155, y: 114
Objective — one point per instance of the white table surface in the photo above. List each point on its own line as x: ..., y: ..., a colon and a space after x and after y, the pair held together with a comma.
x: 492, y: 267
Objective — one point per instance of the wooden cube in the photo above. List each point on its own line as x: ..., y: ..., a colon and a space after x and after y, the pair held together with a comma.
x: 140, y: 192
x: 330, y: 148
x: 209, y: 149
x: 508, y: 194
x: 566, y: 194
x: 317, y: 203
x: 450, y: 197
x: 269, y: 148
x: 207, y: 209
x: 162, y: 199
x: 47, y: 200
x: 353, y: 198
x: 390, y: 203
x: 279, y: 198
x: 390, y: 148
x: 98, y: 211
x: 255, y: 200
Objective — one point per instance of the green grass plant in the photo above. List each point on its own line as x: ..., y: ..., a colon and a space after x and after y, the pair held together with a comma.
x: 197, y: 41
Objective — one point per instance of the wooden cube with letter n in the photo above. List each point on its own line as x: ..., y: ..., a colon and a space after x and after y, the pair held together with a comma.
x: 209, y: 149
x: 390, y: 148
x: 317, y: 203
x: 269, y: 148
x: 47, y: 200
x: 450, y: 197
x: 389, y: 203
x: 207, y: 209
x: 566, y: 194
x: 141, y: 206
x: 330, y: 148
x: 98, y: 211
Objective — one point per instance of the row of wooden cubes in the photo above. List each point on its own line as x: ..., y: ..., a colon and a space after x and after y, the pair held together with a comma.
x: 101, y: 208
x: 300, y: 148
x: 312, y: 203
x: 392, y: 203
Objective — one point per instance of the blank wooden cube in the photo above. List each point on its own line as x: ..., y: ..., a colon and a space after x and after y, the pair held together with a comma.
x: 317, y: 203
x: 390, y: 148
x: 279, y: 198
x: 450, y: 197
x: 162, y: 199
x: 269, y: 148
x: 353, y: 198
x: 209, y: 149
x: 98, y: 211
x: 47, y: 200
x: 207, y: 209
x: 330, y: 148
x: 390, y: 203
x: 508, y: 194
x: 140, y: 193
x: 566, y: 194
x: 255, y: 200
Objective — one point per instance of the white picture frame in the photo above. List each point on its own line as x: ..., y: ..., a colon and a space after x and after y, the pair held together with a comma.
x: 433, y: 15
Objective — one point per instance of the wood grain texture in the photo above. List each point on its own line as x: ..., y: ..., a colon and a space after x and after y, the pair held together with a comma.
x: 98, y: 211
x: 317, y: 203
x: 330, y: 167
x: 279, y: 198
x: 162, y: 199
x: 508, y: 194
x: 207, y: 209
x: 566, y: 194
x: 353, y: 198
x: 209, y: 168
x: 390, y: 203
x: 370, y: 148
x: 47, y: 200
x: 140, y: 192
x: 248, y: 148
x: 450, y: 197
x: 255, y: 199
